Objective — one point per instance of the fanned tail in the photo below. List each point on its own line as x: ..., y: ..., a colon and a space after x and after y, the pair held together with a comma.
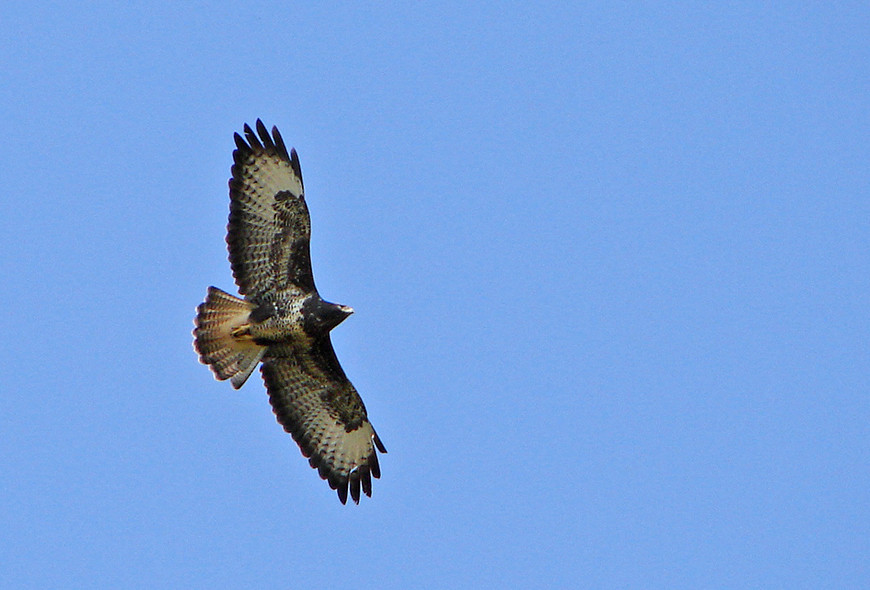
x: 229, y: 352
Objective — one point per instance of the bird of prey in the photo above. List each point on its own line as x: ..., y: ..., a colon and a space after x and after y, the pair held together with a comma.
x: 282, y: 320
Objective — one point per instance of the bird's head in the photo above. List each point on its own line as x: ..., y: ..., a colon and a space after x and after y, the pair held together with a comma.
x: 322, y: 316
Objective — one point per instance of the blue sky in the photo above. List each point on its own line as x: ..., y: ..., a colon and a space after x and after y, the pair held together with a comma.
x: 609, y: 263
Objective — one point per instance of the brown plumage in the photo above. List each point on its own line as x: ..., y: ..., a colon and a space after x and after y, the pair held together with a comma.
x: 282, y: 320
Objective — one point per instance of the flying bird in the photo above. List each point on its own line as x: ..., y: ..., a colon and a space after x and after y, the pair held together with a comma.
x: 282, y: 322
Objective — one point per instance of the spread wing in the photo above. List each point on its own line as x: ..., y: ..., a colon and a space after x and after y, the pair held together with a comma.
x: 316, y: 403
x: 269, y: 228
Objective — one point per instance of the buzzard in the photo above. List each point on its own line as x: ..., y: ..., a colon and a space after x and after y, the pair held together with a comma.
x: 282, y: 322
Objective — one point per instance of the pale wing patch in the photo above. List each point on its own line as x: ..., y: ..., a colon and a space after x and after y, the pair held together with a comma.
x: 343, y: 451
x: 271, y: 175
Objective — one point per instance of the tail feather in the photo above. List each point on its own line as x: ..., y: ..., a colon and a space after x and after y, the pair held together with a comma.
x: 230, y: 357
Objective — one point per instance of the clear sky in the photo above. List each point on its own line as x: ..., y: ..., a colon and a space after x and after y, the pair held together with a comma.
x: 610, y: 264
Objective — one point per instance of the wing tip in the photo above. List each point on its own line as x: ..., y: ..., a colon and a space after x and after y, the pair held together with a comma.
x: 261, y: 140
x: 341, y: 490
x: 282, y: 150
x: 354, y: 481
x: 378, y: 443
x: 252, y: 138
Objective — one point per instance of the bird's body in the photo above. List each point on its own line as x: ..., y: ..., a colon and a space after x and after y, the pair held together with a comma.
x: 282, y: 320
